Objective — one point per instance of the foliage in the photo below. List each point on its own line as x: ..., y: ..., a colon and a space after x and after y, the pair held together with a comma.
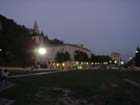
x: 137, y: 57
x: 55, y: 41
x: 100, y: 58
x: 62, y: 57
x: 80, y: 56
x: 13, y: 39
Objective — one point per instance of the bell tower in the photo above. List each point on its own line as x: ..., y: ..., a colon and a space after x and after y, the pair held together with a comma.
x: 35, y: 27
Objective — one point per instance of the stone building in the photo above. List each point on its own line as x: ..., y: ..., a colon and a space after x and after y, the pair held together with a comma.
x: 116, y: 56
x: 53, y: 49
x: 71, y: 48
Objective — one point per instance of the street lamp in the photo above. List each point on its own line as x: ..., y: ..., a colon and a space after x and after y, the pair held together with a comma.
x: 137, y: 51
x: 110, y: 61
x: 130, y: 58
x: 39, y: 55
x: 122, y: 62
x: 42, y: 51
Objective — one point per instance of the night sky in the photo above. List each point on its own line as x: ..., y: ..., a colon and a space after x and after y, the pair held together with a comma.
x: 103, y: 26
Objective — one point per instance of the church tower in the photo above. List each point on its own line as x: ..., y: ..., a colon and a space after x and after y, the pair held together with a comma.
x: 38, y: 38
x: 35, y: 27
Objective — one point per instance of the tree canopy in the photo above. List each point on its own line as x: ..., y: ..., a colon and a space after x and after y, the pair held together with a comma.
x: 80, y: 56
x: 137, y: 57
x: 62, y: 57
x: 13, y: 39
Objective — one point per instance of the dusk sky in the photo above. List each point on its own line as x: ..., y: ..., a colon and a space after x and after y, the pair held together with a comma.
x: 103, y: 26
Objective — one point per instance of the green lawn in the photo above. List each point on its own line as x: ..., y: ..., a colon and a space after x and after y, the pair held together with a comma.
x: 94, y: 87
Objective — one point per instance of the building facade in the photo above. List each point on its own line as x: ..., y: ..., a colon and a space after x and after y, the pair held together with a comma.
x: 53, y: 49
x: 116, y: 56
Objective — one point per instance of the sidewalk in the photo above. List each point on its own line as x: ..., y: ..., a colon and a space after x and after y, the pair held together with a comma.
x: 33, y: 74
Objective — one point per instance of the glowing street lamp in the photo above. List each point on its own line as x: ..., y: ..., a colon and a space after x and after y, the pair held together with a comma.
x: 137, y: 51
x: 42, y: 51
x: 63, y: 64
x: 57, y: 64
x: 122, y: 62
x: 130, y: 58
x: 77, y: 62
x: 115, y: 62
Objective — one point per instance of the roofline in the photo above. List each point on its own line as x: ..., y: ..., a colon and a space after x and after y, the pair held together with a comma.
x: 55, y: 45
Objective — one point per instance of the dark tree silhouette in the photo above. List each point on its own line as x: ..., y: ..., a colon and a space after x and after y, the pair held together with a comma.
x: 80, y: 56
x: 100, y: 58
x: 62, y: 57
x: 137, y: 57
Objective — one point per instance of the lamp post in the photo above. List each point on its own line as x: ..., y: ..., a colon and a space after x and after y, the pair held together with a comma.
x: 39, y: 54
x: 42, y: 51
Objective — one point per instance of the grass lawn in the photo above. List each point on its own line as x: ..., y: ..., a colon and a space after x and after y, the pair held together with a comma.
x: 83, y: 87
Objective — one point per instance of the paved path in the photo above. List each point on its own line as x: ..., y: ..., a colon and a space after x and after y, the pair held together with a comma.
x: 33, y: 74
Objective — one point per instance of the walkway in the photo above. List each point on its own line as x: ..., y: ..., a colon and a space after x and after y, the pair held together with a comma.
x: 33, y: 74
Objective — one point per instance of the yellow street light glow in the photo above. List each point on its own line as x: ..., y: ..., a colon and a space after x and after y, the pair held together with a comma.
x: 80, y: 67
x: 63, y: 64
x: 105, y: 63
x: 57, y: 64
x: 77, y: 62
x: 42, y: 51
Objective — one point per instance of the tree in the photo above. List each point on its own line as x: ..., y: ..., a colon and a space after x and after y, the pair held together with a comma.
x: 67, y: 56
x: 12, y: 39
x: 62, y: 57
x: 137, y: 57
x: 80, y: 56
x: 55, y: 41
x: 100, y: 58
